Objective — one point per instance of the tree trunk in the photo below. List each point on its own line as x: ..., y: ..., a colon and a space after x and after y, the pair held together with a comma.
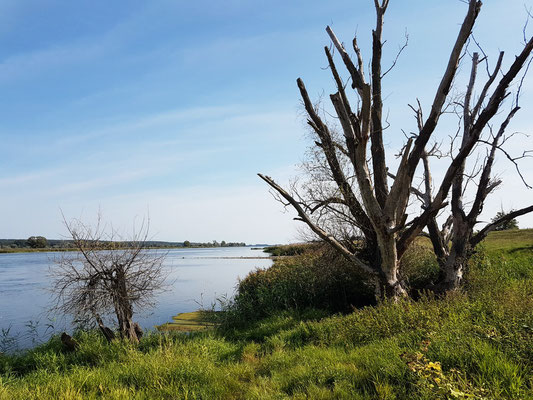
x: 123, y: 309
x: 391, y: 286
x: 454, y: 266
x: 126, y: 325
x: 454, y: 269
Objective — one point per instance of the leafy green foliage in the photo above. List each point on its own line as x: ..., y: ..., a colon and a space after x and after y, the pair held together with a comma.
x: 291, y: 249
x: 419, y: 265
x: 506, y: 225
x: 37, y: 242
x: 318, y: 279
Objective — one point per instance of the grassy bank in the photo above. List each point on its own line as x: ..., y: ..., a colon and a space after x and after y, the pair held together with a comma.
x: 515, y: 240
x: 475, y: 344
x: 29, y: 250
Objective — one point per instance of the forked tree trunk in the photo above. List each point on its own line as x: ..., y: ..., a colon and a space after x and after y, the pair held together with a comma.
x: 452, y: 260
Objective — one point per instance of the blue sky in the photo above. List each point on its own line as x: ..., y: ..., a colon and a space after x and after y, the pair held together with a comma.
x: 170, y: 108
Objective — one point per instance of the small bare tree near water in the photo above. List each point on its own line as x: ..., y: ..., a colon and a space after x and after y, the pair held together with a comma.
x: 107, y: 275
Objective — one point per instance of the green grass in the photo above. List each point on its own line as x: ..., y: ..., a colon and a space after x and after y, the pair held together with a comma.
x: 188, y: 322
x: 473, y: 344
x: 63, y: 249
x: 289, y: 249
x: 512, y: 240
x: 30, y: 250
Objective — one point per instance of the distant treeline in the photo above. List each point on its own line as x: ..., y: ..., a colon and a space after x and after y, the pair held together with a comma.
x: 214, y: 243
x: 40, y: 242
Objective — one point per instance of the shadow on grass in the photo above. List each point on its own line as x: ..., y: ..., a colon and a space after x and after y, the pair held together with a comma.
x: 521, y: 249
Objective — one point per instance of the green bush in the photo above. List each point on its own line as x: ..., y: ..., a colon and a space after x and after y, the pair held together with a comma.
x: 318, y: 279
x: 419, y: 266
x: 292, y: 249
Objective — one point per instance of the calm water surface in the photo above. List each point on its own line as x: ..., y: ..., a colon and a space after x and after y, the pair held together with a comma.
x: 196, y: 278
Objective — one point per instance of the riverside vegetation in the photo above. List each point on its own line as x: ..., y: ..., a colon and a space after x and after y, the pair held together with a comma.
x: 291, y: 332
x: 41, y: 244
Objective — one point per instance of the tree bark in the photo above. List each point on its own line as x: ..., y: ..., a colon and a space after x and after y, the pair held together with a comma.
x: 124, y: 309
x: 108, y: 333
x: 454, y: 266
x: 390, y: 281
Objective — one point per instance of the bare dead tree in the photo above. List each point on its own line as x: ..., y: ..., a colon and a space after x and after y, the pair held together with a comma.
x: 361, y: 187
x: 454, y: 242
x: 107, y: 275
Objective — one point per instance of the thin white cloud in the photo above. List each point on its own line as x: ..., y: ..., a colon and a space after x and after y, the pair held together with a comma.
x: 174, y: 131
x: 231, y: 213
x: 41, y: 61
x: 151, y: 122
x: 76, y: 51
x: 225, y: 213
x: 9, y: 182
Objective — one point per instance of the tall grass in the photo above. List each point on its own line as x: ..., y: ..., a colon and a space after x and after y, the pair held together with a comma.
x: 317, y: 279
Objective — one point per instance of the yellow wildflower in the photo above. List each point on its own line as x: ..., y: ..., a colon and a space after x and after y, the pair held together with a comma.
x: 435, y: 365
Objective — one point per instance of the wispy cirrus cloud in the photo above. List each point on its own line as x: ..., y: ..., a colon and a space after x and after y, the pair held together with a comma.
x: 41, y: 61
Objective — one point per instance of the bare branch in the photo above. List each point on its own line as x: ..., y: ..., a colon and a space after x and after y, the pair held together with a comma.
x: 358, y: 80
x: 490, y: 227
x: 323, y: 203
x: 376, y: 135
x: 440, y: 98
x: 400, y: 51
x: 500, y: 93
x: 488, y: 84
x: 319, y: 231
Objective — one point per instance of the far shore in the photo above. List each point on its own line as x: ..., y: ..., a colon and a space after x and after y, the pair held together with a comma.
x: 57, y: 249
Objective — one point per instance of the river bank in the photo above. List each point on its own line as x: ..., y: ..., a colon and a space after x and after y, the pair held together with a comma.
x: 474, y: 343
x: 468, y: 345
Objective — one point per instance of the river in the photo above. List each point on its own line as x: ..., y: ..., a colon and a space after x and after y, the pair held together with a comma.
x: 196, y: 278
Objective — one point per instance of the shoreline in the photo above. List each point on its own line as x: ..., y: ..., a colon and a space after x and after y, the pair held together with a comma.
x: 189, y: 258
x: 59, y: 250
